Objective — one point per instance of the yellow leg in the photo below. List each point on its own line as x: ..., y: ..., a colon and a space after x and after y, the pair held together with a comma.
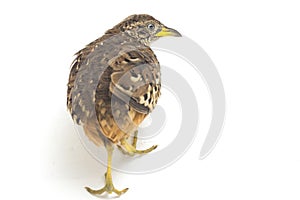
x: 109, y: 187
x: 134, y: 141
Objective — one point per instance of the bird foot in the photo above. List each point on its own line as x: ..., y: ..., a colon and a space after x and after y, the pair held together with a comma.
x: 130, y: 149
x: 135, y: 151
x: 109, y: 188
x: 145, y: 151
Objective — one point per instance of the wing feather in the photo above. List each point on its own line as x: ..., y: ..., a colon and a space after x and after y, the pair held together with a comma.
x: 136, y: 79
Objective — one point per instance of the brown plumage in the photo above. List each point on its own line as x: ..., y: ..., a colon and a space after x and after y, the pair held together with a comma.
x: 115, y: 83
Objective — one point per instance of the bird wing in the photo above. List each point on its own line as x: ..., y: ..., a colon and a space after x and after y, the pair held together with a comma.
x: 136, y: 79
x: 86, y: 69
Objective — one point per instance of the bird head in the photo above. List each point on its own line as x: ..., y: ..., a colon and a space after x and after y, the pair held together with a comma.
x: 144, y: 28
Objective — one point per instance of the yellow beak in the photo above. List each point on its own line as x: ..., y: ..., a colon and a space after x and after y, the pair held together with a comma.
x: 168, y: 32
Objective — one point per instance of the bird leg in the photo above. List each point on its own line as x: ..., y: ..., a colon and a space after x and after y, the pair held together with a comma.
x: 134, y: 141
x: 109, y: 187
x: 131, y: 148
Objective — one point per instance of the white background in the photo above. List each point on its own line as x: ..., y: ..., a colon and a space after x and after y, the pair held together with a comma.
x: 255, y: 46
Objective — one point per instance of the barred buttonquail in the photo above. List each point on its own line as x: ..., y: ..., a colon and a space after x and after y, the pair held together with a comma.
x: 114, y: 84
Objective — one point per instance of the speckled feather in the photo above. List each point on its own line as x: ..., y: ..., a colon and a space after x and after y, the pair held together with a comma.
x: 114, y: 83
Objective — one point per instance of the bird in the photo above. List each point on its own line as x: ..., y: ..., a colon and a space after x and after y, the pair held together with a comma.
x: 114, y: 83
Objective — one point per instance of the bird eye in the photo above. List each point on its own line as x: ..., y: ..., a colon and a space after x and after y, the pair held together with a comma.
x: 151, y: 27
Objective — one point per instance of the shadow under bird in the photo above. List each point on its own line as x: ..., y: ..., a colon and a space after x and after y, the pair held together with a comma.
x: 114, y: 83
